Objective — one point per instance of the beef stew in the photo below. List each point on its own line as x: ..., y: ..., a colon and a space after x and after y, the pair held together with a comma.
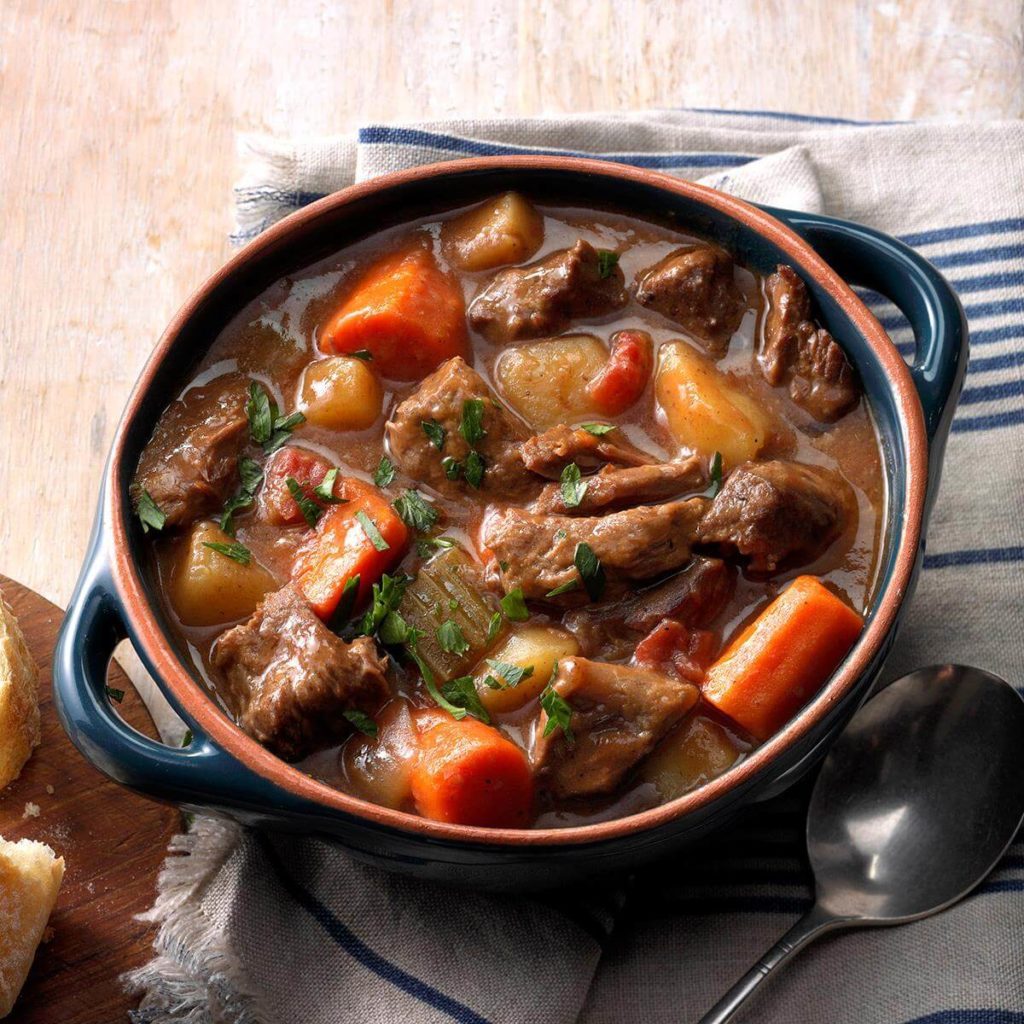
x: 519, y: 516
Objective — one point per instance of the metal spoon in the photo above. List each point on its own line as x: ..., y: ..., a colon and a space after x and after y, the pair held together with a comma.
x: 915, y: 804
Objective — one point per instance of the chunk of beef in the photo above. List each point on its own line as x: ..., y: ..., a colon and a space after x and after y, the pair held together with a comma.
x: 616, y: 488
x: 779, y: 512
x: 619, y: 713
x: 549, y: 453
x: 635, y: 544
x: 544, y: 298
x: 794, y: 349
x: 288, y: 679
x: 441, y: 398
x: 696, y: 288
x: 190, y: 465
x: 693, y: 597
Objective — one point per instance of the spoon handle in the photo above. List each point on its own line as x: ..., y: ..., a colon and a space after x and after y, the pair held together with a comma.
x: 814, y: 923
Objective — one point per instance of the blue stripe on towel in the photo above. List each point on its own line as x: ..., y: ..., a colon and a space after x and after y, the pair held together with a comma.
x: 973, y: 1015
x: 974, y: 556
x: 363, y: 954
x: 970, y: 424
x: 780, y: 115
x: 383, y: 134
x: 957, y: 231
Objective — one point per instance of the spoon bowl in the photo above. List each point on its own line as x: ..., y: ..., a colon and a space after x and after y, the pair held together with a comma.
x: 915, y: 804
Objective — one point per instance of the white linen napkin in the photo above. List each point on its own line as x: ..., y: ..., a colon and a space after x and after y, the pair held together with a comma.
x: 260, y: 928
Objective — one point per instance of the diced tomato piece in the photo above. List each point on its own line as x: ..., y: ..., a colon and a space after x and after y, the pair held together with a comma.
x: 406, y: 313
x: 341, y: 547
x: 624, y: 377
x: 306, y: 468
x: 672, y: 647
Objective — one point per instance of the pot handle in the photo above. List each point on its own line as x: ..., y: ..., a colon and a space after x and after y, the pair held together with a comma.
x: 200, y: 774
x: 878, y: 261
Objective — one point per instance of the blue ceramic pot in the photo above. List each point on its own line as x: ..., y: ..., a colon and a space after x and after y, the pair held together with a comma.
x: 226, y: 772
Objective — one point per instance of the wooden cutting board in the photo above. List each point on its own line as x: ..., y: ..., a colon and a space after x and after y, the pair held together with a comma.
x: 113, y: 843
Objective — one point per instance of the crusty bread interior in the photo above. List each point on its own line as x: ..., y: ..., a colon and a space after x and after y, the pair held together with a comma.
x: 19, y: 699
x: 30, y: 876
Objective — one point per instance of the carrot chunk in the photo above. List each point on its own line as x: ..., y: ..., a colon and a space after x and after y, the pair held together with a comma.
x: 624, y: 377
x: 406, y: 313
x: 277, y: 505
x: 467, y: 773
x: 783, y: 657
x: 364, y: 537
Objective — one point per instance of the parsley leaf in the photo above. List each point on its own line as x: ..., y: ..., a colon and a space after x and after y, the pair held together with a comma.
x: 149, y: 512
x: 363, y: 722
x: 590, y: 570
x: 283, y: 427
x: 512, y: 674
x: 564, y: 588
x: 385, y: 472
x: 559, y: 711
x: 395, y: 631
x: 472, y: 426
x: 606, y: 262
x: 310, y: 510
x: 598, y: 429
x: 324, y: 490
x: 494, y: 627
x: 435, y: 433
x: 371, y: 531
x: 461, y: 693
x: 236, y: 552
x: 362, y: 353
x: 346, y: 604
x: 452, y: 467
x: 716, y: 476
x: 572, y: 486
x: 251, y: 475
x: 514, y: 607
x: 415, y: 512
x: 115, y: 695
x: 260, y: 412
x: 386, y: 596
x: 474, y: 469
x: 426, y: 546
x: 451, y: 639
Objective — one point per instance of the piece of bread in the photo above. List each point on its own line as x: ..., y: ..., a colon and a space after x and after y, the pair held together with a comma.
x: 19, y: 698
x: 30, y: 876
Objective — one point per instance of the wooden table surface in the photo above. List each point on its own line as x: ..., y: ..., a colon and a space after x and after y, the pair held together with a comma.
x: 118, y: 124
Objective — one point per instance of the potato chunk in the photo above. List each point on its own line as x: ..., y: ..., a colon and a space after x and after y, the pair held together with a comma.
x: 208, y: 588
x: 536, y: 647
x: 340, y: 393
x: 698, y: 751
x: 546, y: 381
x: 501, y: 231
x: 705, y: 411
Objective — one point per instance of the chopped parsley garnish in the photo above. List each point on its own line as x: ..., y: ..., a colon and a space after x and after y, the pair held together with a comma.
x: 451, y: 639
x: 310, y: 510
x: 472, y: 426
x: 452, y: 467
x: 606, y: 262
x: 572, y: 486
x: 514, y: 606
x: 494, y: 627
x: 363, y: 722
x: 236, y: 552
x: 598, y: 429
x: 385, y: 472
x: 564, y: 588
x: 186, y: 740
x: 416, y: 513
x: 266, y: 426
x: 558, y: 709
x: 589, y: 567
x: 115, y: 695
x: 503, y: 565
x: 513, y: 675
x: 385, y: 597
x: 716, y: 476
x: 435, y: 433
x: 474, y: 469
x: 395, y: 631
x: 371, y: 531
x: 461, y: 694
x: 251, y: 475
x: 346, y: 603
x: 362, y: 353
x: 149, y: 512
x: 324, y: 491
x: 426, y: 546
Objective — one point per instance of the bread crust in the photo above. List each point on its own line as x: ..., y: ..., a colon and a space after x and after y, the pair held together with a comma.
x: 19, y: 698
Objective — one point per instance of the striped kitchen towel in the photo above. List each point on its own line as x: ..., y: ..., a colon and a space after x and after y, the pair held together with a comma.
x: 275, y: 929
